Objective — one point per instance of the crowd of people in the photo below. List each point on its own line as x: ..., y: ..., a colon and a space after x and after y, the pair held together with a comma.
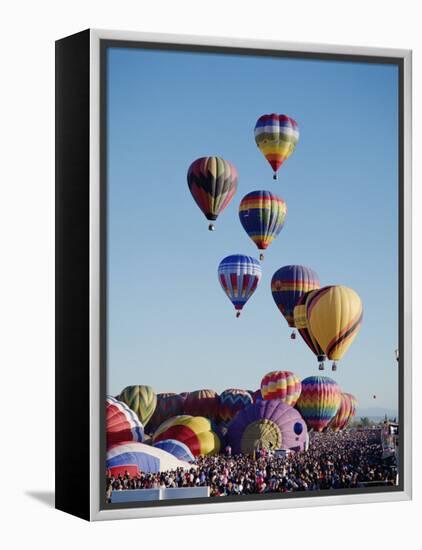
x: 340, y: 460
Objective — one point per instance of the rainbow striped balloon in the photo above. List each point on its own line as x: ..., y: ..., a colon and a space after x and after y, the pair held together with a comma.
x: 319, y: 401
x: 277, y: 137
x: 282, y: 385
x: 354, y: 404
x: 288, y: 284
x: 262, y: 215
x: 342, y: 417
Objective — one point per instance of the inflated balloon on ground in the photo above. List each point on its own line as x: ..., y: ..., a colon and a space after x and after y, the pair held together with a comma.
x: 122, y: 424
x: 145, y: 458
x: 267, y: 425
x: 141, y: 399
x: 232, y: 401
x: 283, y: 385
x: 319, y: 401
x: 194, y: 431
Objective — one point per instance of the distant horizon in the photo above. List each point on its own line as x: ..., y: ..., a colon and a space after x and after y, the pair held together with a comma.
x: 170, y: 325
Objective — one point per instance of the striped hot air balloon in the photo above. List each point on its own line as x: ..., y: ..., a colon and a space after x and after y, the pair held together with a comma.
x: 262, y: 215
x: 277, y: 137
x: 202, y: 403
x: 334, y: 315
x: 175, y: 448
x: 353, y: 405
x: 282, y: 385
x: 141, y: 399
x: 302, y: 325
x: 122, y: 424
x: 267, y: 425
x: 168, y: 405
x: 288, y: 284
x: 319, y: 401
x: 343, y: 415
x: 239, y: 277
x: 232, y: 401
x: 194, y: 431
x: 141, y: 458
x: 213, y: 183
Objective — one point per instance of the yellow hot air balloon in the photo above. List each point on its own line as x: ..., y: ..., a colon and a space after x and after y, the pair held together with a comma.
x: 334, y: 315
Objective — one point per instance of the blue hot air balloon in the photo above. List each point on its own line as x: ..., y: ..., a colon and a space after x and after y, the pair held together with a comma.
x: 239, y: 276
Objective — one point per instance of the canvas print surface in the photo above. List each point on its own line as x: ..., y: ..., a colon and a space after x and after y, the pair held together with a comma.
x: 252, y: 262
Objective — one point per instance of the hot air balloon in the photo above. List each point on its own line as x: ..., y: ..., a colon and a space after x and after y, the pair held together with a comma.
x: 282, y: 385
x: 267, y: 425
x: 232, y: 401
x: 288, y: 284
x: 262, y: 216
x: 354, y: 404
x: 194, y: 431
x: 276, y: 137
x: 202, y: 403
x: 256, y: 395
x: 239, y: 276
x: 319, y: 401
x: 175, y: 448
x: 213, y: 183
x: 122, y: 424
x: 334, y: 316
x: 144, y: 458
x: 302, y: 325
x: 168, y: 405
x: 342, y: 417
x: 141, y: 399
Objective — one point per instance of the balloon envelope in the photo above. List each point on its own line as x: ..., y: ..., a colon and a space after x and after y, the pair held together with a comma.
x: 262, y: 216
x: 277, y: 137
x: 122, y: 424
x: 202, y: 403
x: 175, y: 448
x: 213, y: 183
x: 194, y: 431
x: 232, y: 401
x: 288, y: 284
x: 141, y: 399
x: 319, y: 401
x: 335, y: 316
x: 168, y: 405
x: 283, y: 385
x: 343, y: 415
x: 144, y: 457
x: 301, y: 323
x: 239, y: 276
x: 267, y: 425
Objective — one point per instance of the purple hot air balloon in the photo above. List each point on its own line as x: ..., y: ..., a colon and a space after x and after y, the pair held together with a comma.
x: 267, y: 425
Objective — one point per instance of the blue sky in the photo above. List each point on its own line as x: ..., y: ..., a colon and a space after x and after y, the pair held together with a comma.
x: 170, y: 323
